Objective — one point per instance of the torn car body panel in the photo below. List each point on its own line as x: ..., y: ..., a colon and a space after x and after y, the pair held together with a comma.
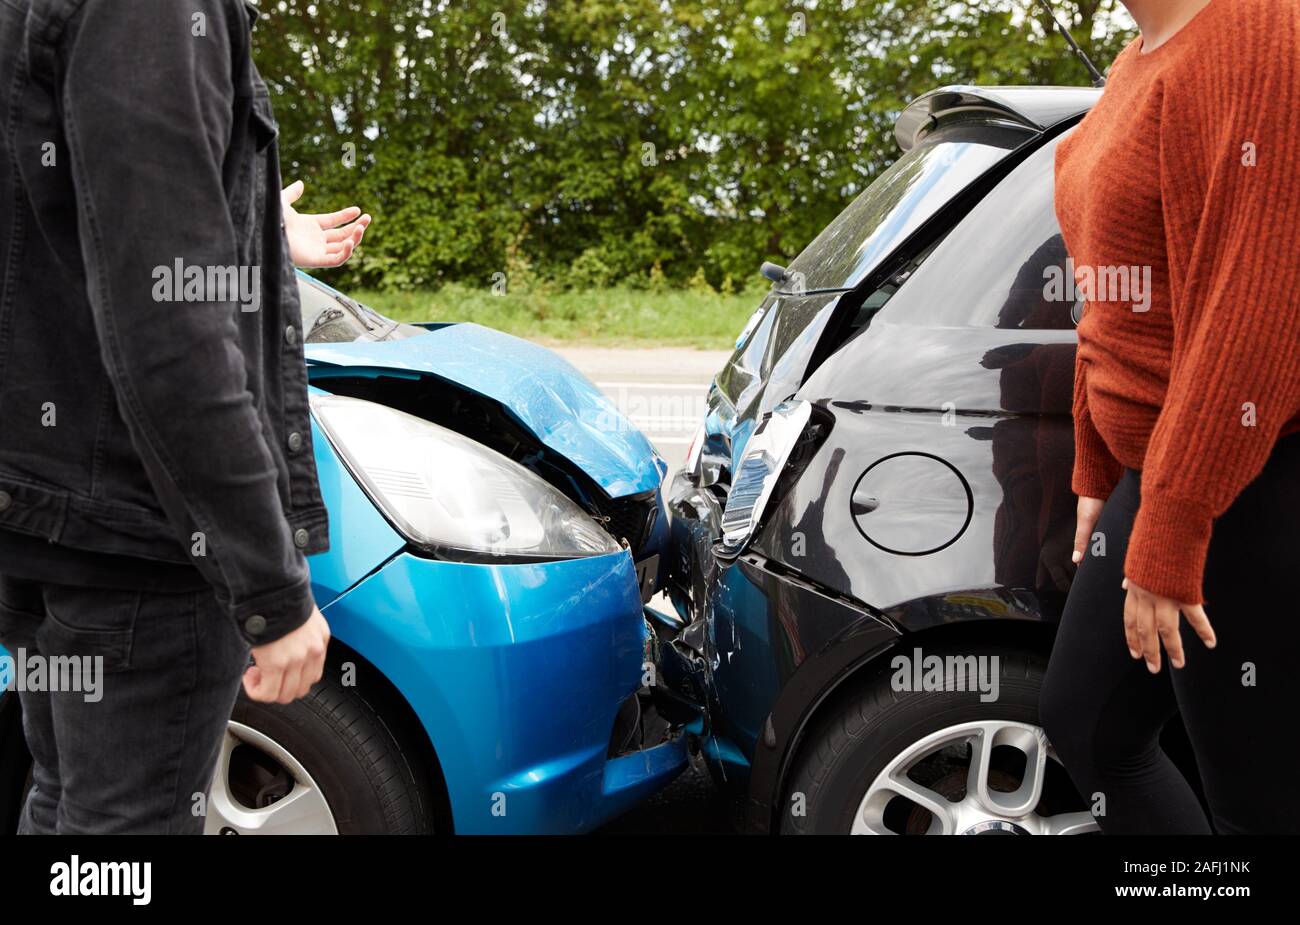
x: 550, y: 398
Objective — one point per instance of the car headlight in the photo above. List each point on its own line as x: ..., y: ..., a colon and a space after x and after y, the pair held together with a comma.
x: 446, y: 493
x: 766, y: 454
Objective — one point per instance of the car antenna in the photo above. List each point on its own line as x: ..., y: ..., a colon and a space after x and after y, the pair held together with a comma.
x: 1097, y: 80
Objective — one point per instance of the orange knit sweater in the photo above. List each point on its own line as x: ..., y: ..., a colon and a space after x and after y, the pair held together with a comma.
x: 1184, y: 183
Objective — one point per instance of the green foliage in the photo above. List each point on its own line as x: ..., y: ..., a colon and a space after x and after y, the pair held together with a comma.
x: 645, y: 143
x: 591, y: 270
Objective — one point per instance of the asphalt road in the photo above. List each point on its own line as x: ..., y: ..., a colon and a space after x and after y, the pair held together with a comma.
x: 661, y: 390
x: 688, y: 806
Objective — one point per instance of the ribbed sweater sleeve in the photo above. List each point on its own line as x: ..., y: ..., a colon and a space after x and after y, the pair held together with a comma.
x: 1096, y: 471
x: 1233, y: 233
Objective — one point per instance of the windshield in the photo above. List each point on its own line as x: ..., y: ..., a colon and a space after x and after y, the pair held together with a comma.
x: 914, y: 187
x: 771, y: 363
x: 329, y: 317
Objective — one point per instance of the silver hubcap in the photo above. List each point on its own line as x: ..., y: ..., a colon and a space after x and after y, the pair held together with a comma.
x: 986, y: 799
x: 302, y: 810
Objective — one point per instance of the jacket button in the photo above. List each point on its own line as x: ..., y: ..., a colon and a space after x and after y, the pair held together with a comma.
x: 300, y: 537
x: 5, y: 500
x: 295, y: 442
x: 291, y: 335
x: 255, y: 625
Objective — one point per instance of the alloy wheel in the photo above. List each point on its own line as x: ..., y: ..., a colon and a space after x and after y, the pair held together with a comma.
x: 977, y: 778
x: 259, y: 788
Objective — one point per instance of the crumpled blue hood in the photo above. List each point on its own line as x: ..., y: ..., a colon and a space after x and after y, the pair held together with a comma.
x: 558, y: 404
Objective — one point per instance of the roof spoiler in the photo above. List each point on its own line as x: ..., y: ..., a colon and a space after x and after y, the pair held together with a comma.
x: 1034, y: 108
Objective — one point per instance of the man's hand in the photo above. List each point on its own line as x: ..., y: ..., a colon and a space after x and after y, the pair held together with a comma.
x: 320, y: 240
x: 1150, y: 619
x: 287, y: 668
x: 1085, y: 519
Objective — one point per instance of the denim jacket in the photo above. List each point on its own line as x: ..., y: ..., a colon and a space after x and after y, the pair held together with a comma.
x: 153, y: 395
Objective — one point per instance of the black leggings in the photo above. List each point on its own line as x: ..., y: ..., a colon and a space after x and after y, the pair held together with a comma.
x: 1103, y: 711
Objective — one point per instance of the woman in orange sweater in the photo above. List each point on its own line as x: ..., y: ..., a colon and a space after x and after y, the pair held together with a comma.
x: 1187, y: 409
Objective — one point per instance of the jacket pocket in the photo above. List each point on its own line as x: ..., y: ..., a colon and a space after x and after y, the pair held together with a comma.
x: 262, y: 122
x: 246, y: 198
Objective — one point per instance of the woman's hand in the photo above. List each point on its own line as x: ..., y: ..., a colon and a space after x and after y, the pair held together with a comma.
x: 320, y: 240
x: 1085, y: 519
x: 1150, y: 619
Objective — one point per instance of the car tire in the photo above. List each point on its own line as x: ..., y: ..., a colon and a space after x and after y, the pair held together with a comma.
x: 371, y: 782
x: 860, y: 741
x: 337, y: 743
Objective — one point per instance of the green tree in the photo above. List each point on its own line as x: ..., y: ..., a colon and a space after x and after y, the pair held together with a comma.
x: 575, y: 142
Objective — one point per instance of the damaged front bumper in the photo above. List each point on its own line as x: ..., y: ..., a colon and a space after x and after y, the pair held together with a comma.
x: 691, y: 651
x: 521, y: 676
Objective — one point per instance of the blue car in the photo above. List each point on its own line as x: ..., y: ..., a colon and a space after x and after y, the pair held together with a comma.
x: 495, y: 527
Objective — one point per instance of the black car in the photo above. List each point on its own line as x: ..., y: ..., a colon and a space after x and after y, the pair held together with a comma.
x: 872, y: 535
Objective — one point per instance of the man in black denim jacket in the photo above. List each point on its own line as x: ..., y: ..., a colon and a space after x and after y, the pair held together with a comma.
x: 157, y: 485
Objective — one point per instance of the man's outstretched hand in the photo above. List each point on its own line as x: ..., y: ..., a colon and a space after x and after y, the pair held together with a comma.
x: 320, y: 240
x: 286, y: 669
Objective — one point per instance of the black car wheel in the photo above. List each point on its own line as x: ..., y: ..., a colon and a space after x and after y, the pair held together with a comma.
x: 885, y: 761
x: 325, y: 764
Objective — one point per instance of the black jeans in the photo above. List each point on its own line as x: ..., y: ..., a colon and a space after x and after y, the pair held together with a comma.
x: 1103, y: 711
x: 136, y: 754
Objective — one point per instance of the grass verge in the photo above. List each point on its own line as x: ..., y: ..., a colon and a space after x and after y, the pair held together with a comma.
x: 612, y: 317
